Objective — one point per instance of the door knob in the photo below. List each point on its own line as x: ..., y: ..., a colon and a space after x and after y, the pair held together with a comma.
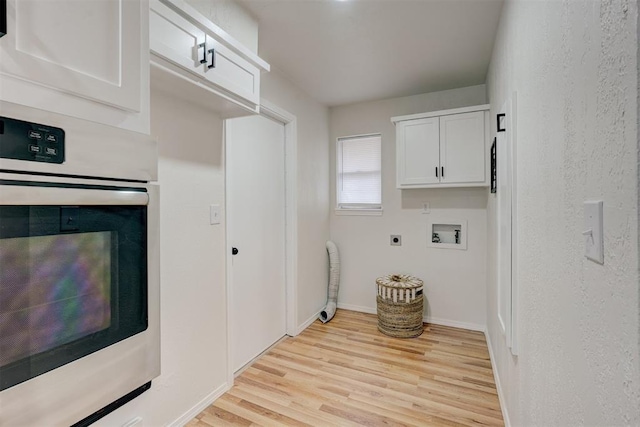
x: 234, y: 251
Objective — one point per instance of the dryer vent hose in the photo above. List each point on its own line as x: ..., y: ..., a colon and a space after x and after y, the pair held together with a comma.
x: 334, y: 282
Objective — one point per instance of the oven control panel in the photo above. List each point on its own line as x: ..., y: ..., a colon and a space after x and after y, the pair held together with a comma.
x: 31, y: 141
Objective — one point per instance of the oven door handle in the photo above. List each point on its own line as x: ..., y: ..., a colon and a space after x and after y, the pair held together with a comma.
x: 33, y: 195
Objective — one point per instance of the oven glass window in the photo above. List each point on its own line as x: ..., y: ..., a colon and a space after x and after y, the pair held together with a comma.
x: 68, y: 288
x: 55, y: 290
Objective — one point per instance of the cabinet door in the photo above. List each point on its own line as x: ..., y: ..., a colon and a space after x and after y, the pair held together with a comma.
x: 90, y: 49
x: 231, y: 72
x: 417, y: 152
x: 462, y: 148
x: 176, y: 39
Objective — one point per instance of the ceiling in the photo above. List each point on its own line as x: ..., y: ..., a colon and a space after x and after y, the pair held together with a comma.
x: 349, y: 51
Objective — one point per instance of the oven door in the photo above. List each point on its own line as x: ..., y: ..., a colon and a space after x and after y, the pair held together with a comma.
x: 78, y: 297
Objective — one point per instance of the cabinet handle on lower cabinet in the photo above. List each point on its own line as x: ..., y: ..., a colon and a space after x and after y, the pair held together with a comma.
x: 441, y: 171
x: 436, y: 171
x: 212, y: 51
x: 204, y: 53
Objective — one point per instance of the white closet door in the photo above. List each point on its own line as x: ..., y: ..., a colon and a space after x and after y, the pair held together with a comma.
x: 256, y: 215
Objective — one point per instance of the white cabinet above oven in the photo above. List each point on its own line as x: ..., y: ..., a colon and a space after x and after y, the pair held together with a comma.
x: 195, y: 59
x: 86, y: 59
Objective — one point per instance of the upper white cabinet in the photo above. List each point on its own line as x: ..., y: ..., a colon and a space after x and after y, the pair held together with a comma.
x: 188, y: 48
x: 462, y: 148
x: 418, y: 151
x: 442, y: 149
x: 87, y: 59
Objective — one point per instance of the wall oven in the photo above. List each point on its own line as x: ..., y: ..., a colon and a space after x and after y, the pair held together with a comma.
x: 79, y: 267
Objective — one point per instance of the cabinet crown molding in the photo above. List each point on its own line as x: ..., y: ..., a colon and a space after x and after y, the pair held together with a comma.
x: 483, y: 107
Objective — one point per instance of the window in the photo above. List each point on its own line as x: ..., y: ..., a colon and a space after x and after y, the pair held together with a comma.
x: 359, y: 183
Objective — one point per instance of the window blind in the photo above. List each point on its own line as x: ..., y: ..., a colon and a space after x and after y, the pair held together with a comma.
x: 359, y: 172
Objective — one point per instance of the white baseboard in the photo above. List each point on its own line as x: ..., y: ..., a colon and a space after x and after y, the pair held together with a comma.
x: 307, y: 323
x: 496, y: 378
x: 427, y: 319
x: 454, y: 323
x: 199, y: 407
x: 359, y: 308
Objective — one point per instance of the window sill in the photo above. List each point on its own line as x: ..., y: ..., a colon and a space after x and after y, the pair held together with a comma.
x: 358, y: 212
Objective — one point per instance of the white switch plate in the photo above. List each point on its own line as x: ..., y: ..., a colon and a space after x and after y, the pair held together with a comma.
x: 593, y: 231
x: 214, y: 214
x: 426, y: 208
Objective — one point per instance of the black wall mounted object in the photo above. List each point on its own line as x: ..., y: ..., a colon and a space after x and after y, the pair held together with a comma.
x: 494, y: 180
x: 499, y: 118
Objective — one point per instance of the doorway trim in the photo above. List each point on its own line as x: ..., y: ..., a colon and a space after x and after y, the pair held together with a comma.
x: 272, y: 111
x: 509, y: 325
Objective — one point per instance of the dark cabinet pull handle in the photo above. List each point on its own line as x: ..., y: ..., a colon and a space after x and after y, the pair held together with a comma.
x: 436, y: 171
x: 234, y: 251
x: 204, y: 53
x: 442, y: 172
x: 212, y: 51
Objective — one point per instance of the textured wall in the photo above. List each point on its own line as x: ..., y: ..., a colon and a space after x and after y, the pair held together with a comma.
x: 453, y: 293
x: 574, y: 67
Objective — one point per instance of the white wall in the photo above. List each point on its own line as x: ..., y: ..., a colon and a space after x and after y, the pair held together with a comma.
x: 454, y: 279
x: 193, y: 310
x: 574, y: 67
x: 312, y: 191
x: 231, y: 17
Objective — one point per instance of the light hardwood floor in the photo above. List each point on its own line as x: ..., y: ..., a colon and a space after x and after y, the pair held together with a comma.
x: 346, y: 373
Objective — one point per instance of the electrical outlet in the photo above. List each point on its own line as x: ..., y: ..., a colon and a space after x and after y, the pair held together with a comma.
x: 396, y: 240
x: 426, y: 207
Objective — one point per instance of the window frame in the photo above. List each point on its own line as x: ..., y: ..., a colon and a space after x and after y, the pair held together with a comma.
x: 355, y: 208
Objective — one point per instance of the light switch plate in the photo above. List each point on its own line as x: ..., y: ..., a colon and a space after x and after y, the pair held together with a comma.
x: 214, y: 214
x: 426, y: 208
x: 593, y: 230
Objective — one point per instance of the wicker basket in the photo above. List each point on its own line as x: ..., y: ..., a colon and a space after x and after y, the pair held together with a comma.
x: 400, y: 303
